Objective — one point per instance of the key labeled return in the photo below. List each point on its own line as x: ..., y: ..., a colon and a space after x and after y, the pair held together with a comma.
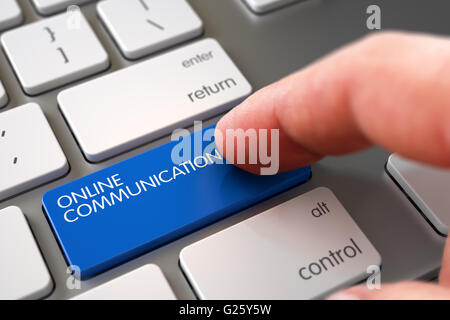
x: 305, y: 248
x: 135, y: 105
x: 120, y: 212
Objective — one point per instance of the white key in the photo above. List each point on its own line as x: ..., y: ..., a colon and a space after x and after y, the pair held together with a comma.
x: 53, y: 52
x: 144, y: 283
x: 47, y: 7
x: 10, y: 14
x: 141, y: 27
x: 23, y: 272
x: 426, y: 186
x: 30, y: 155
x: 304, y: 248
x: 262, y: 6
x: 148, y: 100
x: 3, y: 96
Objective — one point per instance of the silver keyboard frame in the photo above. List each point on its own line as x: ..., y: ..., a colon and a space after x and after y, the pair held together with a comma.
x: 265, y: 48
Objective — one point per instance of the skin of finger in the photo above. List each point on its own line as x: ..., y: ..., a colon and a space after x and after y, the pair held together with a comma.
x: 376, y: 88
x: 411, y: 290
x: 250, y: 115
x: 373, y: 91
x: 329, y: 108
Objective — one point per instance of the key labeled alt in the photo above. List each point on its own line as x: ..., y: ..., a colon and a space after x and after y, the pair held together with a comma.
x: 320, y: 210
x: 282, y: 253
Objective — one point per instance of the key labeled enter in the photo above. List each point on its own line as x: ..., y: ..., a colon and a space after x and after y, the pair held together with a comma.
x: 53, y: 52
x: 141, y: 27
x: 150, y: 99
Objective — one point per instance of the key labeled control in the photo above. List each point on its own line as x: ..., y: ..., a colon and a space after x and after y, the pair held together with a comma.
x: 125, y: 210
x: 141, y: 27
x: 53, y: 52
x: 304, y: 248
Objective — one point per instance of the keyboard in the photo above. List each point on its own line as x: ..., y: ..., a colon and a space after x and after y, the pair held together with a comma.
x: 93, y: 205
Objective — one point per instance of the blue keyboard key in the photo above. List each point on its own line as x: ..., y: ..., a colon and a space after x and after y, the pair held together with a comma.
x: 123, y: 211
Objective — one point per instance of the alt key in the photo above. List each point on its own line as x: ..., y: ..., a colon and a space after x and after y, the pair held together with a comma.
x: 305, y: 248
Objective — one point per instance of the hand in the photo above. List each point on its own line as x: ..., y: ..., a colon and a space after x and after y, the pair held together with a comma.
x: 390, y: 89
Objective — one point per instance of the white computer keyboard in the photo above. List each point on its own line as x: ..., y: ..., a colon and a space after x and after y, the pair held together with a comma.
x: 119, y: 111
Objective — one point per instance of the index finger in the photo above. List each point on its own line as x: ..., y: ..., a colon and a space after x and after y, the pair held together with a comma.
x: 391, y: 89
